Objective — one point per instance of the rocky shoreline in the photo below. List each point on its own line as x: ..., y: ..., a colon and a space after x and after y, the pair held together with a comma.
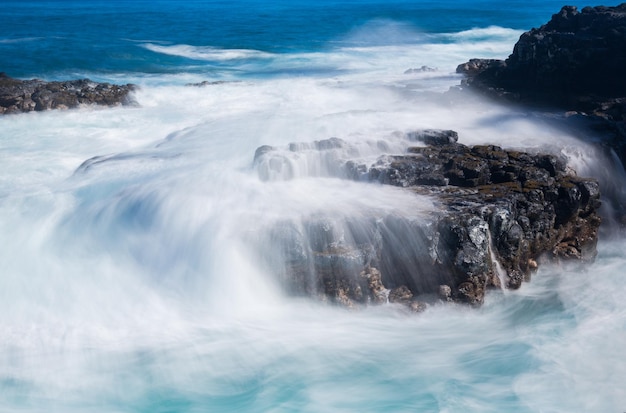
x: 17, y: 96
x: 500, y: 214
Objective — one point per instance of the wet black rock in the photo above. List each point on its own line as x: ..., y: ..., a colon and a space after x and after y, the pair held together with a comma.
x: 500, y: 214
x: 574, y: 63
x: 434, y: 137
x: 576, y: 56
x: 18, y: 96
x: 512, y: 206
x: 401, y: 294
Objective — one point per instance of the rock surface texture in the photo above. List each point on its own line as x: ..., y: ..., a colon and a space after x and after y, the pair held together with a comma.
x: 36, y: 95
x: 575, y: 62
x: 500, y: 214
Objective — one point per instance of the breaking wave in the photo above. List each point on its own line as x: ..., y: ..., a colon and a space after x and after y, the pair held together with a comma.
x: 207, y: 53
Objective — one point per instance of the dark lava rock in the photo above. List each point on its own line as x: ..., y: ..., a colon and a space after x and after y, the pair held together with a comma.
x: 434, y: 137
x: 501, y: 212
x: 513, y: 206
x: 401, y: 294
x: 576, y: 56
x: 574, y: 62
x: 36, y: 95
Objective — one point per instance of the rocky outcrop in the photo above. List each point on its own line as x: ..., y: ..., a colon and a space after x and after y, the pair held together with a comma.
x: 577, y: 58
x: 36, y: 95
x: 501, y: 213
x: 574, y: 63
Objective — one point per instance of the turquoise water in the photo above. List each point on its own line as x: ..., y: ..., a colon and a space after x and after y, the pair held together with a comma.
x: 144, y: 283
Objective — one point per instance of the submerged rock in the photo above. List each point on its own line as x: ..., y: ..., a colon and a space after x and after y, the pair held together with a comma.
x: 205, y: 83
x: 423, y: 69
x: 37, y: 95
x: 501, y: 212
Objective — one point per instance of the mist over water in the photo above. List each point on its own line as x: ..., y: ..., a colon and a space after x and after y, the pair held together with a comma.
x: 138, y: 272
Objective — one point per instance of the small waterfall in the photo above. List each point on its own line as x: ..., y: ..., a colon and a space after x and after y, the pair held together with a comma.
x: 331, y: 157
x: 500, y: 272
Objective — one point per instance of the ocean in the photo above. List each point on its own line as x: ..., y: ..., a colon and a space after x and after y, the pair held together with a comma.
x: 144, y: 280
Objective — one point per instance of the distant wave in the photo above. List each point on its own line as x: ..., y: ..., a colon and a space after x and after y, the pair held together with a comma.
x: 485, y: 33
x: 20, y: 40
x: 206, y: 52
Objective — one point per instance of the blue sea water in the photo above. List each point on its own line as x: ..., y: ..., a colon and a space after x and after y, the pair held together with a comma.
x: 139, y: 281
x: 59, y: 38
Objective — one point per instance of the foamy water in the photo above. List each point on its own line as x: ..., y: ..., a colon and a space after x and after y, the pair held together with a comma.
x: 134, y: 271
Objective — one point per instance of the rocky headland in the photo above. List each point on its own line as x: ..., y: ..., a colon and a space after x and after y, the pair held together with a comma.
x: 574, y: 63
x: 500, y: 214
x: 17, y: 96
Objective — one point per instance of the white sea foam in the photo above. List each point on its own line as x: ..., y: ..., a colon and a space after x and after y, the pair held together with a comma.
x: 136, y: 280
x: 20, y: 40
x: 382, y: 47
x: 206, y: 52
x: 488, y: 34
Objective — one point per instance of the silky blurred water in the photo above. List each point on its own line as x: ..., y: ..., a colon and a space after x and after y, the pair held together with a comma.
x: 134, y: 268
